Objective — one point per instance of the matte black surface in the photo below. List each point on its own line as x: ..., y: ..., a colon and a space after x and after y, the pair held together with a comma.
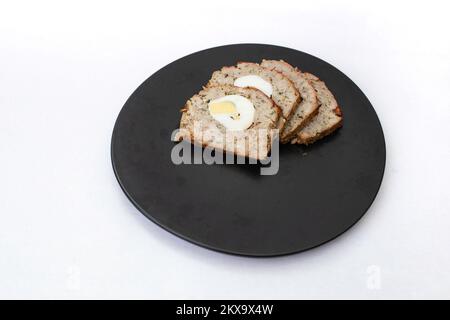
x: 319, y: 192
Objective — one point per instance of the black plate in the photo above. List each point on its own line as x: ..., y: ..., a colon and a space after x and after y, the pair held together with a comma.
x: 319, y: 192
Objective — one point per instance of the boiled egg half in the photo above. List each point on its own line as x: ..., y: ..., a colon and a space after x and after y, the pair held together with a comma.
x: 254, y: 82
x: 234, y: 112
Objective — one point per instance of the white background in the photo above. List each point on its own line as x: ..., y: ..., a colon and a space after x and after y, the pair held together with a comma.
x: 68, y: 231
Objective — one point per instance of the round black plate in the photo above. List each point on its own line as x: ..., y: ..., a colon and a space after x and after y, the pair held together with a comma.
x: 319, y: 192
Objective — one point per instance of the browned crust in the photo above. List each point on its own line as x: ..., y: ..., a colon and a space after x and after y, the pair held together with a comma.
x: 277, y: 107
x: 337, y: 111
x: 314, y: 78
x: 304, y: 123
x: 281, y: 122
x: 321, y: 135
x: 308, y: 117
x: 297, y: 101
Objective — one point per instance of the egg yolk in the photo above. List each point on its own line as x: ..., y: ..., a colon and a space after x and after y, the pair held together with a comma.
x: 224, y: 107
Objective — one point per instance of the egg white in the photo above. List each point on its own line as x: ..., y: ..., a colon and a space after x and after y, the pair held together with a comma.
x: 245, y: 109
x: 254, y: 82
